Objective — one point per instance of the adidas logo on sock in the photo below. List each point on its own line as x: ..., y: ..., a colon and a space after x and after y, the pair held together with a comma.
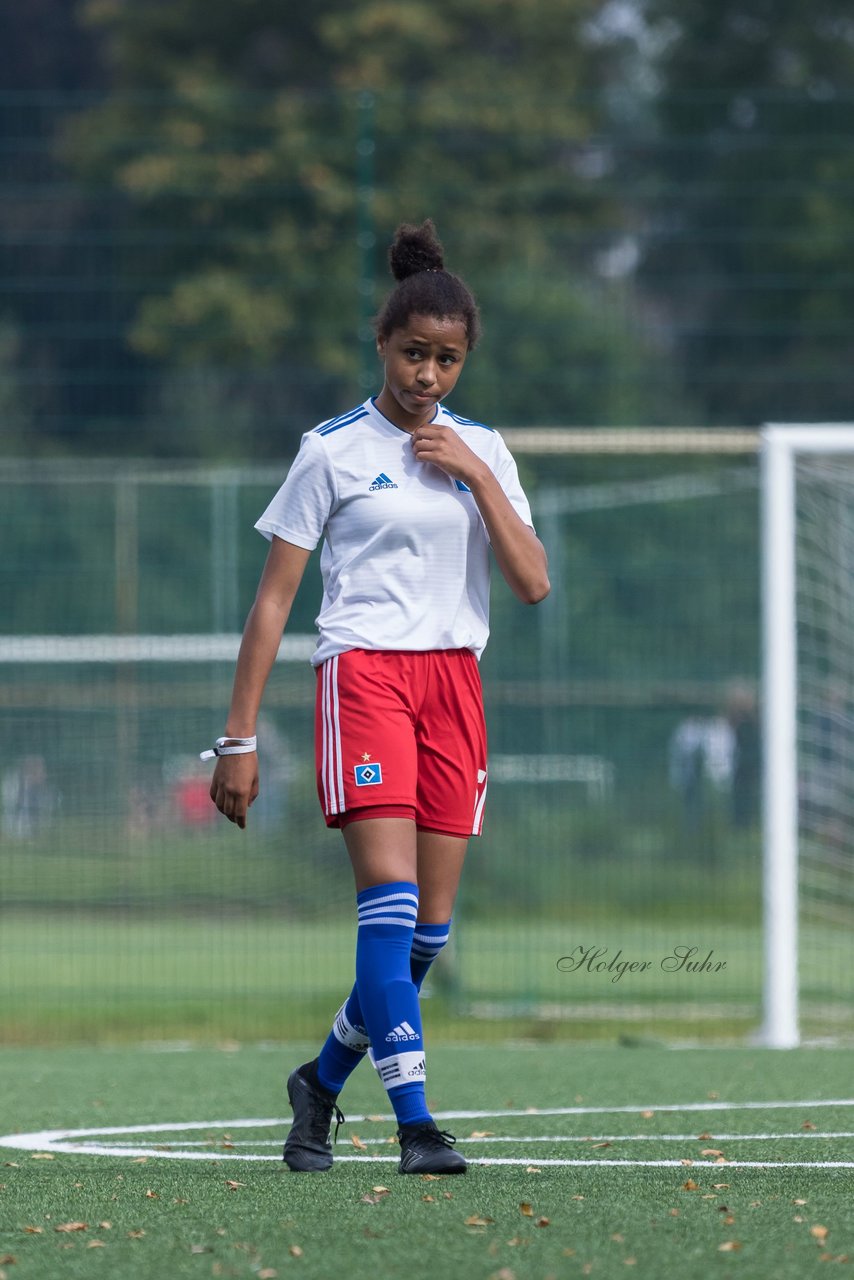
x: 403, y: 1032
x: 382, y: 482
x: 420, y: 1069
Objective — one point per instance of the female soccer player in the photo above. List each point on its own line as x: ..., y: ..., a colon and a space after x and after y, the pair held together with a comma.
x: 408, y: 498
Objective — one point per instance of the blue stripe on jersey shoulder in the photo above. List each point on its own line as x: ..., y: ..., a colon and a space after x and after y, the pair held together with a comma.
x: 467, y: 422
x: 343, y: 420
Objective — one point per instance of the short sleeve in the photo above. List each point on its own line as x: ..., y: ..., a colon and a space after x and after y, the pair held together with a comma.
x: 299, y: 511
x: 507, y: 475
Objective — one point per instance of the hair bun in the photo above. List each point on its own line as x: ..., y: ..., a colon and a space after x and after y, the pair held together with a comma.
x: 415, y: 249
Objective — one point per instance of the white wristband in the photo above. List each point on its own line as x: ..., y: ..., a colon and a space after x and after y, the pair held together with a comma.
x: 230, y: 747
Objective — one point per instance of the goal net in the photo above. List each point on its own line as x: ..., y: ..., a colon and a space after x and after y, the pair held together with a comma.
x: 617, y: 889
x: 808, y: 553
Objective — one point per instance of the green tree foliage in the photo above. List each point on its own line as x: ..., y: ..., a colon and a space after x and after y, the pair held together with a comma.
x: 752, y: 245
x: 263, y: 162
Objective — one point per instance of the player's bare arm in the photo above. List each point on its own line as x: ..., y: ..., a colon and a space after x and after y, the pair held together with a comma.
x: 520, y: 555
x: 234, y: 785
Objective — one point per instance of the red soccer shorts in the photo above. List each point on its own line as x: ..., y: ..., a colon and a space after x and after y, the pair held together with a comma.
x: 402, y: 731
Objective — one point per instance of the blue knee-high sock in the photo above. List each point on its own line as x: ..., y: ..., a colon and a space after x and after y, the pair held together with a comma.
x: 345, y: 1047
x: 389, y: 998
x: 427, y: 941
x: 348, y: 1040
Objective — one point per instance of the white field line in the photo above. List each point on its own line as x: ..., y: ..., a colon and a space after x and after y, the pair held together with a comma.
x: 73, y: 1141
x: 214, y: 1145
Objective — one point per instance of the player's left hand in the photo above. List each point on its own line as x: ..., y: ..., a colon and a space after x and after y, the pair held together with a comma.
x: 444, y: 448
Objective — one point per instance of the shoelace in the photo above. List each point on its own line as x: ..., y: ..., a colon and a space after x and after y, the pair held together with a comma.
x: 321, y: 1113
x: 440, y: 1137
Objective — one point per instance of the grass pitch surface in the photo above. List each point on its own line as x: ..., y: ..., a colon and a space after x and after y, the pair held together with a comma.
x: 584, y: 1161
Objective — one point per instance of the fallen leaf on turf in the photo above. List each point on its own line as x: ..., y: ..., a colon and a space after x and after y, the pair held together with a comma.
x: 674, y: 1213
x: 429, y: 1177
x: 819, y: 1232
x: 366, y: 1199
x: 647, y: 1115
x: 686, y: 1162
x: 597, y: 1145
x: 358, y: 1143
x: 446, y: 1195
x: 532, y: 1168
x: 42, y: 1155
x: 690, y: 1185
x: 797, y: 1218
x: 711, y: 1151
x: 295, y: 1251
x: 96, y: 1244
x: 729, y: 1246
x: 808, y: 1124
x: 72, y: 1226
x: 729, y: 1220
x: 504, y: 1274
x: 476, y: 1220
x: 517, y: 1240
x: 232, y: 1186
x: 722, y: 1186
x: 34, y: 1231
x: 135, y: 1235
x: 140, y: 1160
x: 267, y: 1273
x: 543, y: 1222
x: 8, y: 1261
x: 799, y: 1202
x: 11, y: 1164
x: 381, y: 1191
x: 705, y: 1137
x: 151, y: 1195
x: 527, y: 1209
x: 429, y: 1199
x: 482, y: 1133
x: 375, y: 1119
x: 105, y: 1226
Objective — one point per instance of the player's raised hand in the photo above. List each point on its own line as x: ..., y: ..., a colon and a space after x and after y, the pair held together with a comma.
x: 444, y: 448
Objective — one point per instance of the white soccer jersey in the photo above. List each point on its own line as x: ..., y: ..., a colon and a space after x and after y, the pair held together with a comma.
x: 405, y: 561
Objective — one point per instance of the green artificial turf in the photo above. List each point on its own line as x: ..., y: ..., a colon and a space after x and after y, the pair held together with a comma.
x: 223, y: 1216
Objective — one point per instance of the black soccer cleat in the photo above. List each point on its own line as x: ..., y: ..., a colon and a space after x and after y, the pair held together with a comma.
x: 424, y: 1148
x: 308, y: 1148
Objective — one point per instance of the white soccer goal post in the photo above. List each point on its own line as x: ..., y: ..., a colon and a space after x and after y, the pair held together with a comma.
x: 807, y: 480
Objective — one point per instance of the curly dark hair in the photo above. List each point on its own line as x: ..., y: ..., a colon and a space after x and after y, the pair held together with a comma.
x: 424, y: 287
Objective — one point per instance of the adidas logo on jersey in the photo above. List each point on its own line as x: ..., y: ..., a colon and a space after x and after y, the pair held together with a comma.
x: 382, y: 482
x: 402, y: 1031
